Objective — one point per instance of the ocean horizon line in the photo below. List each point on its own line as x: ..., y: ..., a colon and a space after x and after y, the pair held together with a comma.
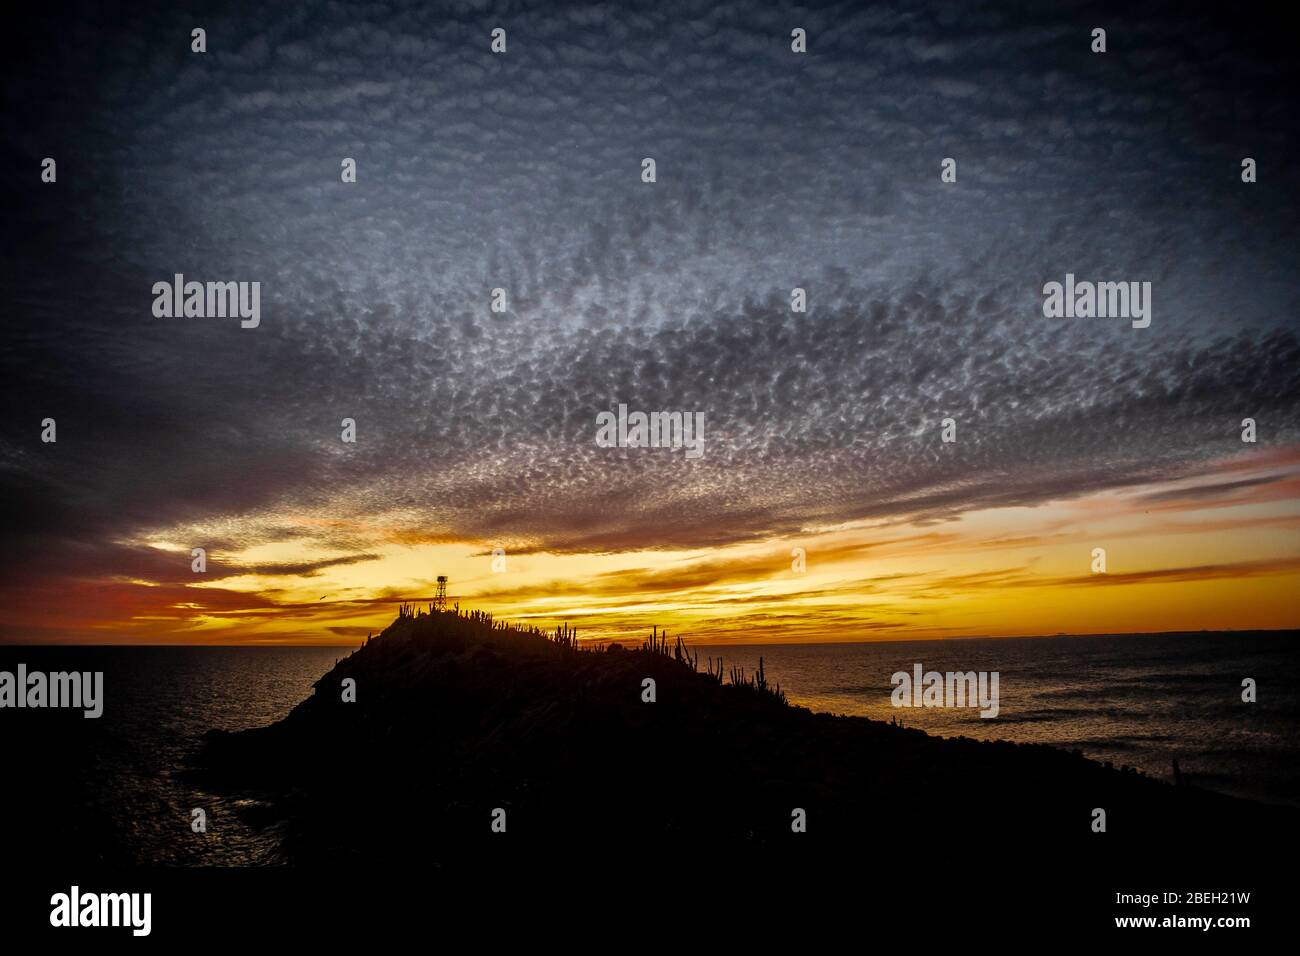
x: 249, y: 645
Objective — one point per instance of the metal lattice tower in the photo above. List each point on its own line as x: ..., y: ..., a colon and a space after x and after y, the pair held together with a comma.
x: 440, y: 601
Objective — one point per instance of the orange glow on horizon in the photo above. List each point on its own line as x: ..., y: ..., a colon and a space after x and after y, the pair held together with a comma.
x: 1178, y: 558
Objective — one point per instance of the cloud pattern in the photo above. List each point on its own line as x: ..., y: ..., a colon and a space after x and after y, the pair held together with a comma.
x: 522, y: 172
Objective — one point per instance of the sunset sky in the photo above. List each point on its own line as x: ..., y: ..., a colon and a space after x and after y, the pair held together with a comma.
x: 475, y: 430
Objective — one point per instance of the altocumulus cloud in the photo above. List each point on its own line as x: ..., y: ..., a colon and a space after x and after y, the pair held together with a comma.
x: 522, y: 172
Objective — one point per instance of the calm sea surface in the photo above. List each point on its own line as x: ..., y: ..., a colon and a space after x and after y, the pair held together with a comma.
x: 1141, y: 700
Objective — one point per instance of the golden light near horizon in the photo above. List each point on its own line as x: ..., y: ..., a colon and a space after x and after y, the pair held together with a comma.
x: 1173, y: 563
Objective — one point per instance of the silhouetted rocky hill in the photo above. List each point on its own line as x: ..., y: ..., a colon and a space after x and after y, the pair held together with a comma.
x: 456, y: 716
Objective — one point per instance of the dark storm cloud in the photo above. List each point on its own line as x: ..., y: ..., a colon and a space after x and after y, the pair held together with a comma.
x: 522, y: 172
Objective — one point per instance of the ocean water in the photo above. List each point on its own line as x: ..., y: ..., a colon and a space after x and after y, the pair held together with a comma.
x: 1140, y: 700
x: 1143, y: 700
x: 121, y: 771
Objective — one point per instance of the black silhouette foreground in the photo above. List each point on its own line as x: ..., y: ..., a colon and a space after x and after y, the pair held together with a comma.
x: 457, y: 717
